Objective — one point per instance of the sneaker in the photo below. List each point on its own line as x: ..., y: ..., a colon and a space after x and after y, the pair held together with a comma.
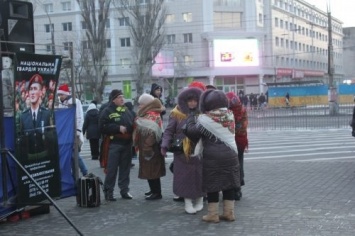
x: 126, y: 196
x: 148, y: 193
x: 154, y: 196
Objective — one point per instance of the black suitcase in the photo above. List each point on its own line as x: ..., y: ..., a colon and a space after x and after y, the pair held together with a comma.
x: 88, y: 191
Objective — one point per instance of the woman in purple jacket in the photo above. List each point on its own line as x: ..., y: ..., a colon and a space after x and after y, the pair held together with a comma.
x: 187, y: 182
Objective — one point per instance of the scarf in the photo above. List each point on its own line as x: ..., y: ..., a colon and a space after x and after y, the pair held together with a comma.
x: 219, y: 123
x: 186, y: 142
x: 149, y: 121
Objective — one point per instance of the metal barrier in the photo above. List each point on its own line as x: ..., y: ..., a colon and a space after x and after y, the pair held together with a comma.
x: 307, y: 117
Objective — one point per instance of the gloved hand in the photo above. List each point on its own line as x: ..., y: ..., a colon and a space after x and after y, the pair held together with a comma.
x: 163, y: 151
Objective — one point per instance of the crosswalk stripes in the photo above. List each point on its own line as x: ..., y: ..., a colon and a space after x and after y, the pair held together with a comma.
x: 301, y: 145
x: 291, y: 145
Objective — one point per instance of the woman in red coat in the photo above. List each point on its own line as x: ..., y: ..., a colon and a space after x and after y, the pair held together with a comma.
x: 241, y: 135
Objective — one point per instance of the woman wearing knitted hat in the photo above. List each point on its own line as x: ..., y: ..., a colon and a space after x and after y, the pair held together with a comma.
x: 241, y: 135
x: 147, y: 136
x: 187, y: 168
x: 214, y: 132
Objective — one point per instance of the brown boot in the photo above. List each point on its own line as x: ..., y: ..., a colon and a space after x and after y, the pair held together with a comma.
x: 212, y: 215
x: 228, y: 211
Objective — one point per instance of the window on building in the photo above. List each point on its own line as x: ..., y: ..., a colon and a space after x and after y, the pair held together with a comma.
x: 277, y: 43
x: 188, y: 38
x: 282, y: 42
x: 276, y: 22
x: 123, y: 21
x: 286, y: 25
x: 224, y: 20
x: 187, y: 16
x: 67, y: 45
x: 125, y: 62
x: 188, y: 60
x: 286, y: 43
x: 107, y: 24
x: 66, y: 6
x: 170, y: 38
x: 260, y: 18
x: 85, y: 44
x: 67, y: 26
x: 49, y: 27
x: 169, y: 18
x: 48, y: 7
x: 108, y: 43
x: 49, y: 48
x: 281, y: 24
x: 227, y: 2
x: 125, y: 42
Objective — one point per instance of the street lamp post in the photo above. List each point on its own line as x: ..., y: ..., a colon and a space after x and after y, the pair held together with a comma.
x: 332, y: 91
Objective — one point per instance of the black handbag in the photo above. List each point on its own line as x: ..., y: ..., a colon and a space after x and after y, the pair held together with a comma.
x: 176, y: 145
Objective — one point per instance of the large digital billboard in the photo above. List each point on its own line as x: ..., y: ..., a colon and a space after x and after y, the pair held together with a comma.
x: 235, y: 52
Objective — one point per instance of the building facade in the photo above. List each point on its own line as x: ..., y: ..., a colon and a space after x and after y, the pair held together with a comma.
x: 232, y: 44
x: 349, y: 54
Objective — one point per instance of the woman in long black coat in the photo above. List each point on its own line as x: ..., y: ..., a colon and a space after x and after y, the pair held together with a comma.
x: 92, y: 131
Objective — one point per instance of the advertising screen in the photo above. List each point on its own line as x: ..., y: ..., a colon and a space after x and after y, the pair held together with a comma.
x: 235, y: 52
x: 164, y: 64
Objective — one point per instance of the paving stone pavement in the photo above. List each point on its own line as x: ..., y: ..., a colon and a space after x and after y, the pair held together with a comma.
x: 281, y: 197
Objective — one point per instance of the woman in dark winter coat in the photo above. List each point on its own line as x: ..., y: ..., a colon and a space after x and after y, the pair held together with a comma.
x: 214, y: 131
x: 241, y: 134
x: 92, y: 131
x: 187, y: 181
x: 147, y: 137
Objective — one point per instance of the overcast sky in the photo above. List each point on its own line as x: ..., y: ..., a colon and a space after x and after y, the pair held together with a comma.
x: 340, y: 9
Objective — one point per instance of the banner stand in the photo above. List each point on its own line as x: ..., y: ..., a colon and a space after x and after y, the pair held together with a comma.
x: 4, y: 150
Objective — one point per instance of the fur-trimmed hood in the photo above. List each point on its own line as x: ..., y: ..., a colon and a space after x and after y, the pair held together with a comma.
x: 186, y: 95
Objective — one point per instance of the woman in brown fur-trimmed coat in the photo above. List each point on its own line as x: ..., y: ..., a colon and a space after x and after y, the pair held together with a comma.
x: 187, y: 182
x: 215, y: 129
x: 147, y: 136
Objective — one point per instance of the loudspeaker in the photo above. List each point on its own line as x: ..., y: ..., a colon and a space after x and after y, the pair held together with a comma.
x: 16, y: 24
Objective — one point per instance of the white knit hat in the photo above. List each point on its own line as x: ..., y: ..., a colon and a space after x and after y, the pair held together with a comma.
x: 145, y: 98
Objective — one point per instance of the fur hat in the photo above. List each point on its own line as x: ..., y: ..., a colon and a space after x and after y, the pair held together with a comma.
x: 145, y: 99
x: 63, y: 89
x: 197, y: 84
x: 210, y: 86
x: 186, y: 95
x: 114, y: 94
x: 212, y: 99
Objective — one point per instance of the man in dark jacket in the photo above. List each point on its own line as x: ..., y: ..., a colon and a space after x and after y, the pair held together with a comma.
x: 116, y: 121
x: 91, y: 130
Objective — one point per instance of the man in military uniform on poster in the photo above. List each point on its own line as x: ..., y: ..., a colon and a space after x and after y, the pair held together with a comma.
x: 35, y: 122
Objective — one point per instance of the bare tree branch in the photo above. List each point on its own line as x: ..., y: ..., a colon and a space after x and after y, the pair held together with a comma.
x: 95, y: 19
x: 146, y: 24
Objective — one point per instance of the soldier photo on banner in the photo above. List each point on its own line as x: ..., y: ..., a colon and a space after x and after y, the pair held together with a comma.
x: 36, y: 78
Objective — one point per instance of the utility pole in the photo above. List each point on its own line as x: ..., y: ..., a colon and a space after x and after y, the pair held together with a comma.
x: 332, y: 91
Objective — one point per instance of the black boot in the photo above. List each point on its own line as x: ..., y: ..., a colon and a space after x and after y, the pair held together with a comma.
x: 109, y: 196
x: 238, y: 195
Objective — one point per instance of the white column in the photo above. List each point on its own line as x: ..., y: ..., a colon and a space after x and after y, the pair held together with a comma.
x: 261, y: 84
x: 211, y: 80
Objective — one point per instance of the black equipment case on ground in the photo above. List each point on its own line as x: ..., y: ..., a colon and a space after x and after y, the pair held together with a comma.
x: 88, y: 191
